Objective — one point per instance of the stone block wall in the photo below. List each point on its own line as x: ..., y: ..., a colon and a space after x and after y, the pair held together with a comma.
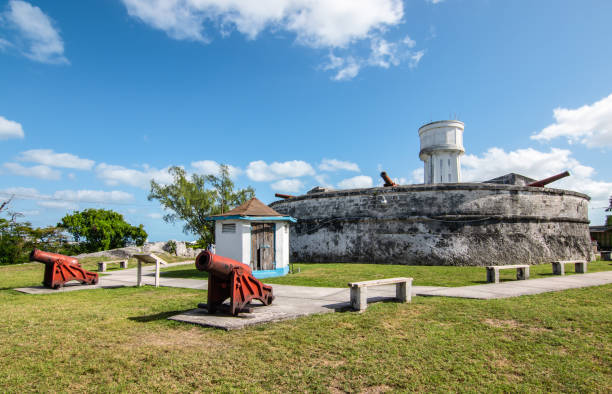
x: 444, y: 224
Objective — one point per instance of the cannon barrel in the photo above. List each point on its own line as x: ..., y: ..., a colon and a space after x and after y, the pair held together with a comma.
x: 220, y: 266
x: 285, y: 196
x: 388, y: 181
x: 546, y: 181
x: 51, y: 258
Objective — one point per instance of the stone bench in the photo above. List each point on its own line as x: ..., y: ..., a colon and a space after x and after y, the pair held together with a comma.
x: 359, y: 291
x: 522, y: 272
x: 558, y: 267
x: 102, y: 264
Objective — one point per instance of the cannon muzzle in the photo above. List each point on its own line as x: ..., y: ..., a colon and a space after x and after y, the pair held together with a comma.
x: 285, y: 196
x: 233, y: 279
x: 548, y: 180
x: 388, y: 181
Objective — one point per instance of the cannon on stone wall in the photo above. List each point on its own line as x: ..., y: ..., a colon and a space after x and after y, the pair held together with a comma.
x: 546, y: 181
x: 388, y: 181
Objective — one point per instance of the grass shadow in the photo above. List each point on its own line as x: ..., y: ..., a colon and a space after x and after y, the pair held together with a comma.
x: 155, y: 317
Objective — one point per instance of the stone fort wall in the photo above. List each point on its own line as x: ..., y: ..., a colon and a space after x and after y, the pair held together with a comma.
x: 445, y: 224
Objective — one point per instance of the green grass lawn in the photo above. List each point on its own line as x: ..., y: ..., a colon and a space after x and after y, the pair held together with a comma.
x: 339, y: 275
x: 111, y: 340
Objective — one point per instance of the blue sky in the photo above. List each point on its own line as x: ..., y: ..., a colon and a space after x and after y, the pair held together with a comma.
x: 98, y: 97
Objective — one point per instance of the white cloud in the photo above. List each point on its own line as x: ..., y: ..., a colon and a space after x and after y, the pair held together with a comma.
x: 356, y: 182
x: 335, y: 165
x: 155, y: 215
x: 21, y: 191
x: 94, y: 196
x: 590, y: 125
x: 288, y: 185
x: 32, y: 212
x: 337, y: 24
x: 346, y: 68
x: 315, y: 23
x: 410, y: 43
x: 41, y: 172
x: 210, y: 167
x: 382, y: 54
x: 41, y: 39
x: 58, y: 204
x: 418, y: 176
x: 49, y: 158
x: 69, y: 199
x: 322, y: 180
x: 435, y: 1
x: 4, y: 43
x: 414, y: 58
x: 10, y: 129
x: 261, y: 171
x: 529, y: 162
x: 114, y: 175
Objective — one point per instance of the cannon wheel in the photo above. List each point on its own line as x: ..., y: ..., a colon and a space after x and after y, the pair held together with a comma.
x: 94, y: 281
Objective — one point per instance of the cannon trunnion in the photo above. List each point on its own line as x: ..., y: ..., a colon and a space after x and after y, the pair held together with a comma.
x: 60, y: 269
x: 230, y: 278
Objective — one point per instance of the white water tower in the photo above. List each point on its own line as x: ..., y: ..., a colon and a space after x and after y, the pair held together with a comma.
x: 441, y: 150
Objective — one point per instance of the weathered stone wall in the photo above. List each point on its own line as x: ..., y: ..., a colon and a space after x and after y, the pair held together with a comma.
x: 444, y: 224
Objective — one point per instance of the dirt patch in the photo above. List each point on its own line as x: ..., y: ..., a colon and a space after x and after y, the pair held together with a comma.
x: 192, y: 338
x: 332, y: 363
x: 502, y: 323
x: 376, y: 389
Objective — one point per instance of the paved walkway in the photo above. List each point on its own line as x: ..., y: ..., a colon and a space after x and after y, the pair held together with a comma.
x: 127, y: 277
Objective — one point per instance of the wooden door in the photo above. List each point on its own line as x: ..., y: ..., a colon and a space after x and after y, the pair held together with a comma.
x: 262, y: 246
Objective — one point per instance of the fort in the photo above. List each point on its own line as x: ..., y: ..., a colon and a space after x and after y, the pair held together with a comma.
x: 501, y: 221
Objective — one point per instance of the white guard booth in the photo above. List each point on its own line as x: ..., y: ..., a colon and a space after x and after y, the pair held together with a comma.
x: 256, y: 235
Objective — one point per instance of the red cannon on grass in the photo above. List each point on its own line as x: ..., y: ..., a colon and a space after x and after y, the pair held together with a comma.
x: 60, y: 269
x: 230, y: 278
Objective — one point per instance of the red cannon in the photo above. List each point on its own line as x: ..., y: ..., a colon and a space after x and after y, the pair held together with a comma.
x: 230, y: 278
x: 546, y: 181
x: 60, y: 269
x: 388, y: 181
x: 284, y: 196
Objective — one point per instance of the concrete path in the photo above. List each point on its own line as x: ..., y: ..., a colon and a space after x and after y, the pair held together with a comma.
x: 523, y: 287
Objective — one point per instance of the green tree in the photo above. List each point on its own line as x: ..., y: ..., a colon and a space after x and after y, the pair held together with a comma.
x: 101, y: 229
x: 14, y: 240
x: 17, y: 238
x: 193, y: 200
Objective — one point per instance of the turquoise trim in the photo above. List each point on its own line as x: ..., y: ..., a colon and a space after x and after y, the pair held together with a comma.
x: 254, y: 218
x: 275, y: 246
x: 271, y: 273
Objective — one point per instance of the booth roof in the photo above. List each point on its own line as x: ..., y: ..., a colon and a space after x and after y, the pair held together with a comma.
x: 253, y: 207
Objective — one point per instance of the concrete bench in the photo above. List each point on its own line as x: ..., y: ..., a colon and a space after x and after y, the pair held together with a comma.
x: 522, y: 272
x: 558, y: 267
x: 359, y: 291
x: 102, y: 264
